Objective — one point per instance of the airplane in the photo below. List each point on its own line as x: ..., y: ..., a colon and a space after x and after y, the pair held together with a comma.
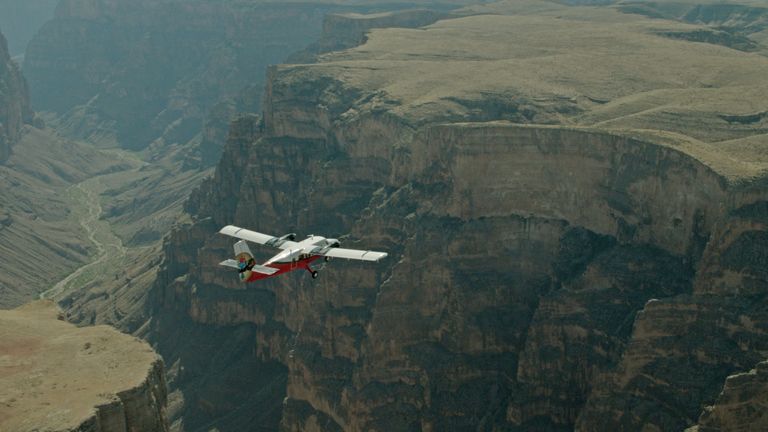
x: 294, y: 255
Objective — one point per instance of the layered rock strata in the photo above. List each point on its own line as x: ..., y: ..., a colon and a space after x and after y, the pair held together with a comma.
x: 56, y: 376
x: 740, y: 406
x: 347, y: 30
x: 566, y: 250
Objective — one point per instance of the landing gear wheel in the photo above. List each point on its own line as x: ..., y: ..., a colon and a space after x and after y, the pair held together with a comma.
x: 314, y: 274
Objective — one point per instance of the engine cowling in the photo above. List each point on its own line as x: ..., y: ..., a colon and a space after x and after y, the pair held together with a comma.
x: 329, y: 243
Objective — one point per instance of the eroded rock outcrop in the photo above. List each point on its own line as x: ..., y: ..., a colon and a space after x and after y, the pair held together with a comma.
x: 342, y: 31
x: 56, y: 376
x: 740, y: 406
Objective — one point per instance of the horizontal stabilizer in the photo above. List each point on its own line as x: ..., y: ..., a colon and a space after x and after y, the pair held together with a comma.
x: 230, y: 263
x: 264, y: 269
x: 257, y: 268
x: 355, y: 254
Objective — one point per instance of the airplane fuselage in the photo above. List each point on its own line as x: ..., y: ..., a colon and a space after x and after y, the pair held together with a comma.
x: 283, y: 267
x: 293, y: 256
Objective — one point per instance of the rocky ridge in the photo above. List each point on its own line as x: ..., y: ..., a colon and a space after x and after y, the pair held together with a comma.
x: 739, y: 406
x: 58, y: 377
x: 595, y: 261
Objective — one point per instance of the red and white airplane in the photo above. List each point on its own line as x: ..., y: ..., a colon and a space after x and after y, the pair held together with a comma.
x: 295, y: 255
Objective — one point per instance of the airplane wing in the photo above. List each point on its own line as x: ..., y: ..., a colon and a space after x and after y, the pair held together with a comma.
x: 257, y: 237
x: 355, y: 254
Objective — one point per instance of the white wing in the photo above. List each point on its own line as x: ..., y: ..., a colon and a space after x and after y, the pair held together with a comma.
x: 257, y: 237
x: 355, y: 254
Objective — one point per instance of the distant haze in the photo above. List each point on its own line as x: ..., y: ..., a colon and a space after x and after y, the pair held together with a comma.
x: 20, y: 20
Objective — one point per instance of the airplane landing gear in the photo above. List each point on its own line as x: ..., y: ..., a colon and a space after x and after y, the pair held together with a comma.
x: 314, y: 274
x: 327, y: 259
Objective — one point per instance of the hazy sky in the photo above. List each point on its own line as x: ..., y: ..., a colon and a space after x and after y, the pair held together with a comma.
x: 20, y: 20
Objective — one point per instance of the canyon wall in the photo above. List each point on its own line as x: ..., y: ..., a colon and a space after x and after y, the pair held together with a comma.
x: 347, y: 30
x: 519, y: 258
x: 14, y: 102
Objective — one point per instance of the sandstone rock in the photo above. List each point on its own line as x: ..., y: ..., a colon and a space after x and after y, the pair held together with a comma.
x: 740, y: 406
x: 56, y: 376
x: 681, y: 351
x: 342, y: 31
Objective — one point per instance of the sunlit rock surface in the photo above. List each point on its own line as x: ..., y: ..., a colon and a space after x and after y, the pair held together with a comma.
x: 55, y: 376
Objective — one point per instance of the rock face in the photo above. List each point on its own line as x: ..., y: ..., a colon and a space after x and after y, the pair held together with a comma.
x: 56, y: 376
x: 566, y: 250
x: 740, y: 405
x: 342, y: 31
x: 14, y: 102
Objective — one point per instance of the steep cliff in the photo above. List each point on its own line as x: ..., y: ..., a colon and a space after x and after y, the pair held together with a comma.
x: 740, y: 405
x: 14, y: 102
x: 575, y: 241
x: 56, y: 376
x: 342, y: 31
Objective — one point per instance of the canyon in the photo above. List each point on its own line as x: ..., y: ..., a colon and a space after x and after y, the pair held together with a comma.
x: 573, y: 199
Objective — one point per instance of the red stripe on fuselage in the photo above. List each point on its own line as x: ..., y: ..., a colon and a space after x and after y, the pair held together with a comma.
x: 284, y: 268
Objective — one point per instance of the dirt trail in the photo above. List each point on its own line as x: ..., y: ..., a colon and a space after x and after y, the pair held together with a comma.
x: 86, y: 204
x: 85, y: 196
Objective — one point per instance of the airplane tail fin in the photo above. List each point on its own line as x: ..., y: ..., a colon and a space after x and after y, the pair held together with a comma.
x: 243, y: 259
x: 242, y: 250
